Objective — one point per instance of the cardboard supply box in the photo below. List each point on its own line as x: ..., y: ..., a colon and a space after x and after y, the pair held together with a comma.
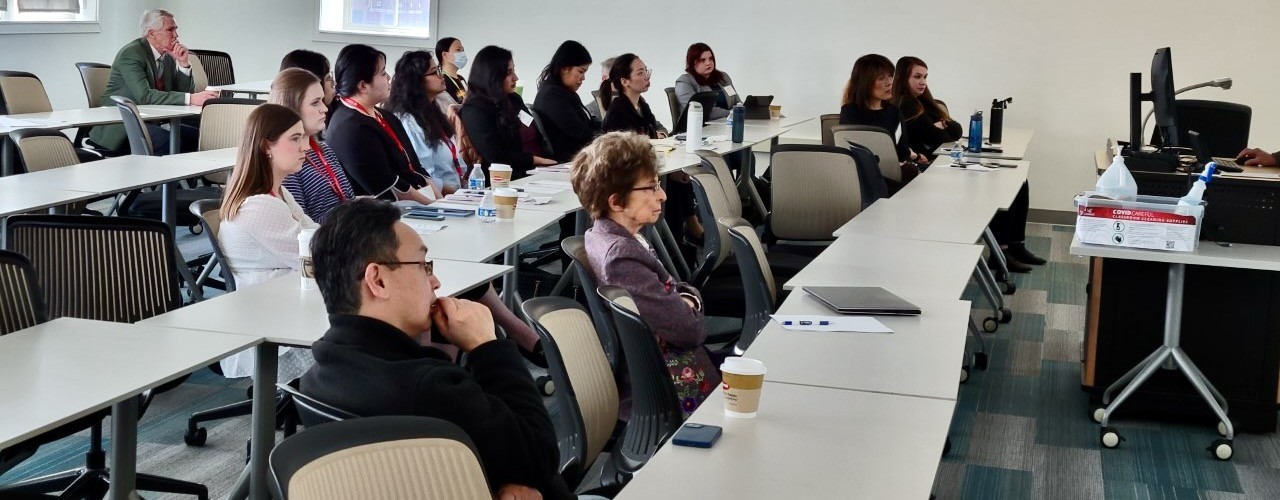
x: 1149, y: 222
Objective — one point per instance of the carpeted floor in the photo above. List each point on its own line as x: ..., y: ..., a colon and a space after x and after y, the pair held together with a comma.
x: 1021, y: 428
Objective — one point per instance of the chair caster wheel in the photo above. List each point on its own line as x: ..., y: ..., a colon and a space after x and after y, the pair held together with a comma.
x: 980, y: 360
x: 964, y: 377
x: 990, y: 325
x: 1097, y: 413
x: 1010, y: 287
x: 545, y: 385
x: 196, y: 437
x: 1005, y: 315
x: 1221, y: 449
x: 1110, y: 438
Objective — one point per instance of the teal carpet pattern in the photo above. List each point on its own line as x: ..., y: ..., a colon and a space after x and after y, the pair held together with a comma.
x: 1021, y: 428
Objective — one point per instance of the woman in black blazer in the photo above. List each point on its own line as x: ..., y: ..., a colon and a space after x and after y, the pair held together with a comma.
x: 496, y: 119
x: 567, y: 123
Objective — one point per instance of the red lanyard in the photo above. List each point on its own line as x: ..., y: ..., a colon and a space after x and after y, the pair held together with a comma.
x: 454, y: 149
x: 385, y: 127
x: 324, y: 168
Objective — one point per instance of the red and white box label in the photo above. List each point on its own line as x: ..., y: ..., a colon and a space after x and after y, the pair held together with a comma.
x: 1127, y: 227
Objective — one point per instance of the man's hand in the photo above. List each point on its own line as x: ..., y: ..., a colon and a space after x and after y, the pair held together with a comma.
x: 517, y: 492
x: 198, y: 98
x: 1255, y: 157
x: 463, y: 323
x: 181, y: 55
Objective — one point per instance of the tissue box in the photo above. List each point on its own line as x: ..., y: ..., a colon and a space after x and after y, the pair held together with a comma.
x: 1149, y: 222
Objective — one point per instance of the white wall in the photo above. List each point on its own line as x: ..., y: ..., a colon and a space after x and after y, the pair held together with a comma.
x: 1065, y: 63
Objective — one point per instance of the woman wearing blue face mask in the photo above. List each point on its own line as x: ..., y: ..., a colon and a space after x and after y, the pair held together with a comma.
x: 452, y: 58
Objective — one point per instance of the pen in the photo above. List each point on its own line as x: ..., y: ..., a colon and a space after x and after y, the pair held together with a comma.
x: 806, y: 322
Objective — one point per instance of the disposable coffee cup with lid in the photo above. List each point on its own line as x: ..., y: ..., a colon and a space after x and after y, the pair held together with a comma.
x: 741, y: 379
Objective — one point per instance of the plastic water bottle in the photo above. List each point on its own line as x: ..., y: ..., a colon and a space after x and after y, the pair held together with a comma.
x: 975, y: 132
x: 738, y: 122
x: 1194, y: 196
x: 1117, y: 183
x: 957, y: 155
x: 475, y: 180
x: 488, y: 209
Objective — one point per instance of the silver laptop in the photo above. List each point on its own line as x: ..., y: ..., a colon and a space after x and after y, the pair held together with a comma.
x: 872, y: 300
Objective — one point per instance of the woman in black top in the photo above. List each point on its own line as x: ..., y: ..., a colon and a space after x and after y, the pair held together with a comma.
x: 568, y: 125
x: 927, y: 123
x: 628, y: 78
x: 495, y: 117
x: 452, y: 57
x: 867, y: 101
x: 929, y: 126
x: 373, y: 145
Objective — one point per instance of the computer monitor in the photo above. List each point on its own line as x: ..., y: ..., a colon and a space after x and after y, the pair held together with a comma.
x: 1161, y: 96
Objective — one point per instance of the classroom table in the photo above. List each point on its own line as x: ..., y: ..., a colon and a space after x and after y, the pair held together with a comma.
x: 902, y: 266
x: 253, y: 89
x: 1013, y: 145
x: 891, y: 217
x: 73, y: 118
x: 65, y: 369
x: 806, y: 442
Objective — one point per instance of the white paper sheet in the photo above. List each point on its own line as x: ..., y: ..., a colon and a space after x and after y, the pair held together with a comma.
x: 423, y: 226
x: 816, y: 323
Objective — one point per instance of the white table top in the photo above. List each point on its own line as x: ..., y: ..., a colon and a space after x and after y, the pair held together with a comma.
x: 67, y: 368
x: 18, y: 196
x: 941, y: 183
x: 1207, y: 253
x: 921, y: 358
x: 122, y: 173
x: 469, y: 239
x: 1014, y: 143
x: 909, y: 268
x: 84, y: 117
x: 257, y: 87
x: 564, y: 202
x: 892, y: 217
x: 807, y: 442
x: 224, y: 156
x: 284, y: 313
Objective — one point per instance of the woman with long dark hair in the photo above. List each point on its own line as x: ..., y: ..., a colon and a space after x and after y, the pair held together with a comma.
x: 414, y: 90
x: 497, y: 121
x: 868, y: 100
x: 372, y: 144
x: 569, y: 126
x: 701, y: 74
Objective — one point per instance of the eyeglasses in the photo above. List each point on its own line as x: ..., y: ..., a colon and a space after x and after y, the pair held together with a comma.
x: 642, y: 72
x: 652, y: 189
x: 427, y: 265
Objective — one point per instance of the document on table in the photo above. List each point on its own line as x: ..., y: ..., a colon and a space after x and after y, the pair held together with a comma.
x: 559, y: 168
x: 8, y: 121
x: 816, y: 323
x: 972, y: 167
x: 423, y: 227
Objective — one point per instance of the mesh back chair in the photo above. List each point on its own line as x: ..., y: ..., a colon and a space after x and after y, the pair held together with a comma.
x: 148, y: 205
x: 211, y: 221
x: 312, y: 411
x: 108, y: 269
x: 815, y: 191
x: 878, y: 141
x: 575, y: 248
x: 22, y: 92
x: 655, y: 411
x: 757, y: 279
x: 222, y: 125
x: 585, y: 387
x: 1223, y: 126
x: 217, y: 67
x: 540, y: 124
x: 869, y: 176
x: 43, y: 149
x: 139, y: 137
x: 431, y: 459
x: 600, y: 105
x: 21, y: 305
x: 94, y: 76
x: 673, y: 103
x: 712, y: 161
x: 827, y: 122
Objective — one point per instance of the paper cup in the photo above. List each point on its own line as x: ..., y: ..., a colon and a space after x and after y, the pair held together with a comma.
x: 499, y: 175
x: 505, y: 199
x: 775, y: 111
x: 304, y: 254
x: 742, y: 380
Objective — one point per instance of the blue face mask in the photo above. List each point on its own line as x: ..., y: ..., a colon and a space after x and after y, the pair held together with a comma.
x: 460, y: 59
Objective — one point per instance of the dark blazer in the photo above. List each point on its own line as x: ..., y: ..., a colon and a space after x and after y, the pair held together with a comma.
x: 888, y: 118
x: 618, y: 258
x: 370, y: 157
x: 924, y: 136
x: 371, y: 368
x: 623, y: 116
x: 568, y: 125
x: 496, y: 139
x: 133, y: 75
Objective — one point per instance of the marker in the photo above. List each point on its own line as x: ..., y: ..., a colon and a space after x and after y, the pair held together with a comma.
x: 824, y: 323
x: 786, y: 323
x: 806, y: 323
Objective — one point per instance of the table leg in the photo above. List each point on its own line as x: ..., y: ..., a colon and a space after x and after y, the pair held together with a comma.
x: 746, y: 179
x: 994, y: 246
x: 511, y: 280
x: 264, y: 419
x: 124, y: 449
x: 175, y: 136
x: 169, y: 214
x: 6, y: 156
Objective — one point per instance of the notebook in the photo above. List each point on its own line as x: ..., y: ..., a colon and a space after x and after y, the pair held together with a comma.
x: 862, y: 300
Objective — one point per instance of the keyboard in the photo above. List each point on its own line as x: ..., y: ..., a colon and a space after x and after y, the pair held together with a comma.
x: 1228, y: 165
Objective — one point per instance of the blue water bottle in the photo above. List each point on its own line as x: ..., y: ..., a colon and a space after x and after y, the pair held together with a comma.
x: 737, y: 122
x: 975, y: 132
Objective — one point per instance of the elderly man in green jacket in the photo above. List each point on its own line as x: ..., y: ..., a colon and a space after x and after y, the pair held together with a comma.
x: 154, y: 69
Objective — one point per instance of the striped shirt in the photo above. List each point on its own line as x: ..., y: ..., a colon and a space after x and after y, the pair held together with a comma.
x: 311, y: 187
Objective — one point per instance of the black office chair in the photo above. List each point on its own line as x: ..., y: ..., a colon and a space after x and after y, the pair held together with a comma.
x: 655, y: 411
x: 149, y: 205
x: 21, y: 305
x: 673, y: 103
x: 78, y: 277
x: 757, y: 280
x: 312, y: 411
x: 1223, y: 126
x: 434, y: 459
x: 217, y: 66
x: 601, y: 316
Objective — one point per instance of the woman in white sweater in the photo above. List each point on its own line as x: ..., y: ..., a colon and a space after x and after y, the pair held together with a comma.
x: 260, y: 220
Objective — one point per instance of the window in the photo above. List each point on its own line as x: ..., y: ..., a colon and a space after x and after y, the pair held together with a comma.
x: 46, y: 11
x: 396, y: 18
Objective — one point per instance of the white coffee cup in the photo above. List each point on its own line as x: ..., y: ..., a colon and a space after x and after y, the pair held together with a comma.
x: 304, y: 254
x: 741, y: 379
x: 505, y: 199
x: 499, y: 175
